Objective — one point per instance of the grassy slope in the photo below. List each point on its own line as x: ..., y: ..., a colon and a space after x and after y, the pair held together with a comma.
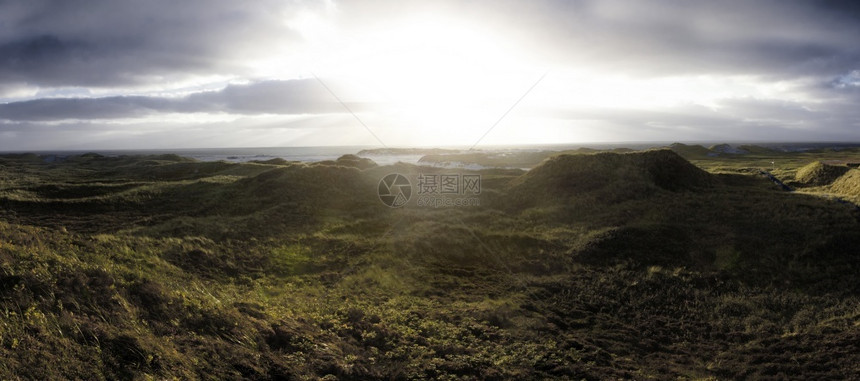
x: 589, y: 266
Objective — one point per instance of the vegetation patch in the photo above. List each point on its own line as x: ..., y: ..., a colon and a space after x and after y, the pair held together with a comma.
x: 818, y: 173
x: 607, y: 265
x: 847, y: 184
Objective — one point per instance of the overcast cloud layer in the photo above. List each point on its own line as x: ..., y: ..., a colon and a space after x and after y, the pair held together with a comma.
x: 137, y: 74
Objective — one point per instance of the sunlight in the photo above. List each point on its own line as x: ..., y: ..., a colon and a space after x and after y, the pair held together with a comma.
x: 433, y: 79
x: 451, y: 81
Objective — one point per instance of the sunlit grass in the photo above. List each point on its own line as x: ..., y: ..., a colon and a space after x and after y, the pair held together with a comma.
x: 593, y: 266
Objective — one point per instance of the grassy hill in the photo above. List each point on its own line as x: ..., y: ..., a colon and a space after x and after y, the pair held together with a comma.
x: 694, y: 151
x: 834, y: 181
x: 847, y: 184
x: 589, y: 266
x: 818, y: 173
x: 608, y: 175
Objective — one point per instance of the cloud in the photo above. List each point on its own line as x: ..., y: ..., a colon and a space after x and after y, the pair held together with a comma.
x: 126, y: 50
x: 109, y: 43
x: 250, y: 131
x: 305, y: 96
x: 768, y: 38
x: 736, y: 119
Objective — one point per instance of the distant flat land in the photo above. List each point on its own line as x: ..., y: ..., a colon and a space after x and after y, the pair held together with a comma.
x: 683, y: 262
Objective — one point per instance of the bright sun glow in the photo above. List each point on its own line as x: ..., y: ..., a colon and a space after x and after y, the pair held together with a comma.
x: 435, y: 80
x: 444, y: 80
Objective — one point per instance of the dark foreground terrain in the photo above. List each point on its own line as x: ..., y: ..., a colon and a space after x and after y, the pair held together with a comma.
x: 589, y: 266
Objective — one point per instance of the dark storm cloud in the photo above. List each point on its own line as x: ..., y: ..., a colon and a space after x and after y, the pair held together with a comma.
x: 107, y: 42
x: 76, y: 108
x: 768, y: 37
x: 306, y: 96
x: 269, y: 97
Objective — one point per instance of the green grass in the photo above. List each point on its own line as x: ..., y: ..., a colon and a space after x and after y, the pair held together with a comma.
x: 590, y: 266
x: 818, y: 173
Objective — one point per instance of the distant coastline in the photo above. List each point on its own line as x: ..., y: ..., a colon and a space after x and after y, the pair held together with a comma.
x: 412, y: 155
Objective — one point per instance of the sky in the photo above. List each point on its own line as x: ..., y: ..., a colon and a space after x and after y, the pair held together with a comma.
x: 122, y: 74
